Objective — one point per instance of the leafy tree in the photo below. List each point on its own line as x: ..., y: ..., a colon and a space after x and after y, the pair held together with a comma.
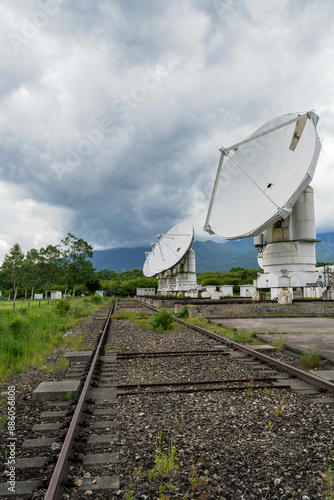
x: 77, y: 269
x: 106, y: 274
x: 236, y: 276
x: 31, y: 276
x: 131, y: 275
x: 93, y: 284
x: 12, y: 268
x: 125, y: 288
x: 49, y: 266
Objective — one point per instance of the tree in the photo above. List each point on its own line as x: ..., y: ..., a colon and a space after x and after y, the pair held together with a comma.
x: 131, y: 275
x: 49, y: 266
x: 12, y: 267
x: 93, y: 284
x: 78, y: 269
x: 106, y: 274
x: 31, y: 277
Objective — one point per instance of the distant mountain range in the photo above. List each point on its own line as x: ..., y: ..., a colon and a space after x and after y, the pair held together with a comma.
x: 210, y: 256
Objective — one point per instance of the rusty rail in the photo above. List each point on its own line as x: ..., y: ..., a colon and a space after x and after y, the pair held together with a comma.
x: 163, y: 354
x: 318, y: 382
x: 206, y: 386
x: 55, y: 490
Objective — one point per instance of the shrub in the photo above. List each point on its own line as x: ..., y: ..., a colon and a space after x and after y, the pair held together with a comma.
x: 78, y: 312
x: 183, y: 314
x: 161, y: 321
x: 16, y: 327
x: 96, y: 299
x: 62, y: 307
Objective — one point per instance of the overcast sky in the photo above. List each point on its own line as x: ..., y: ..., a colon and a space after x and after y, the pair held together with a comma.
x: 113, y: 111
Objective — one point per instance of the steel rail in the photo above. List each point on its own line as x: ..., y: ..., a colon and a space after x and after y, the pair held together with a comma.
x: 318, y: 382
x: 204, y: 389
x: 206, y: 382
x: 162, y: 354
x: 62, y: 466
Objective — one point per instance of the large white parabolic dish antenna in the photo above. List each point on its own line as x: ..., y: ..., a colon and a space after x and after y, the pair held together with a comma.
x: 169, y: 250
x: 263, y: 176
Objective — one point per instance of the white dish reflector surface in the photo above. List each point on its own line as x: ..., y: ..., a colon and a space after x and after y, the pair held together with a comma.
x: 260, y: 179
x: 169, y: 249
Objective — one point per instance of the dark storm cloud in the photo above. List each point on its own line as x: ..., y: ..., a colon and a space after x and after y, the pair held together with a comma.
x: 113, y: 112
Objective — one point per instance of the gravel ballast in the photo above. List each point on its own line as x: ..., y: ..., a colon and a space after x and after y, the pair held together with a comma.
x: 272, y: 444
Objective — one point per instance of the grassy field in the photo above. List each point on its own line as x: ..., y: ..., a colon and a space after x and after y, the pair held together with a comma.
x: 30, y: 332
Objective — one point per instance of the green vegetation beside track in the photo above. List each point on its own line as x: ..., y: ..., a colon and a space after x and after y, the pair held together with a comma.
x: 29, y: 334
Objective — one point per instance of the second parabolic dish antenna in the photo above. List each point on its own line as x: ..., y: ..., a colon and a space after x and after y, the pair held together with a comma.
x: 263, y: 176
x: 169, y: 250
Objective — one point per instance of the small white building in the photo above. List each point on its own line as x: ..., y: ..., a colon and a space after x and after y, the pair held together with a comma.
x: 38, y: 296
x: 226, y: 290
x: 55, y: 295
x: 216, y: 292
x: 100, y: 292
x: 140, y: 292
x: 247, y: 290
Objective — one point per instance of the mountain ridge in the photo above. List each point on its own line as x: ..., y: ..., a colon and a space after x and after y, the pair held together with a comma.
x: 210, y: 255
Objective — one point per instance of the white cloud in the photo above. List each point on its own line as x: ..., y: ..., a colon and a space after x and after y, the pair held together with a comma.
x: 115, y: 111
x: 28, y: 222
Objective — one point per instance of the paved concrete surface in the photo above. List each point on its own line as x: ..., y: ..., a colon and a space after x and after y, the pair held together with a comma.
x: 300, y: 342
x: 306, y: 338
x: 288, y: 325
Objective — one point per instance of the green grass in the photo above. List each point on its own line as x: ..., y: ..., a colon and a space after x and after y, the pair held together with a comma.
x: 165, y: 459
x: 184, y: 313
x: 29, y: 334
x: 329, y: 491
x: 279, y: 344
x: 310, y: 359
x: 162, y: 321
x: 242, y: 337
x: 140, y: 319
x: 129, y: 494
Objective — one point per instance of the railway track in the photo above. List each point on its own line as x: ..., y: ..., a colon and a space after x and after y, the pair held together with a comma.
x: 311, y: 378
x: 228, y: 424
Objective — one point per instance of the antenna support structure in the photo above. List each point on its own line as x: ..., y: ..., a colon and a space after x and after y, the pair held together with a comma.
x: 262, y: 190
x: 172, y: 260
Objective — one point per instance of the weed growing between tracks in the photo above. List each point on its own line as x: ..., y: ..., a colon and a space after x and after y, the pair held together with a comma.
x: 138, y: 318
x: 243, y: 337
x: 329, y: 491
x: 28, y: 334
x: 310, y: 359
x: 184, y: 313
x: 165, y: 460
x: 279, y: 344
x: 160, y: 322
x: 129, y: 494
